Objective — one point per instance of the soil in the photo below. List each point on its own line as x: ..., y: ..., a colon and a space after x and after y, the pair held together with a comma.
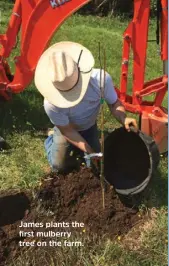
x: 73, y: 197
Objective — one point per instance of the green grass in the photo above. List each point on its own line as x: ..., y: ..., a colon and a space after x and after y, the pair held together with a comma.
x: 22, y: 122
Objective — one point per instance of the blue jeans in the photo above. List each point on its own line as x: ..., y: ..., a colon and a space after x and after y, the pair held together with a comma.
x: 62, y: 156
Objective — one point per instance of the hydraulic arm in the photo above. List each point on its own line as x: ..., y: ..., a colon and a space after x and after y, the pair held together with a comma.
x: 38, y: 20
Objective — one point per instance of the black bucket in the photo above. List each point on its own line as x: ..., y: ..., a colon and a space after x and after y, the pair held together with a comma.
x: 130, y: 159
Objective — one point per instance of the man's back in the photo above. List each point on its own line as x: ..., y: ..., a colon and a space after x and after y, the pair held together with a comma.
x: 84, y: 114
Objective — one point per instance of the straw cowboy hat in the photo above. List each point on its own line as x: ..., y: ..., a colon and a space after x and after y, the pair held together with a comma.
x: 63, y: 73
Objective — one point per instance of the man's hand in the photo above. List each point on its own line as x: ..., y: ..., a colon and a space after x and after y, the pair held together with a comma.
x: 130, y: 122
x: 118, y: 111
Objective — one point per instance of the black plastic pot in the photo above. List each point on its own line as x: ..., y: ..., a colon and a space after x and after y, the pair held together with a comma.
x: 130, y: 160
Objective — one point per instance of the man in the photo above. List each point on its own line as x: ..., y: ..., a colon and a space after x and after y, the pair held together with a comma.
x: 71, y: 87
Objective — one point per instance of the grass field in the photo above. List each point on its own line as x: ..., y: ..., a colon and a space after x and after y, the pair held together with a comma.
x: 22, y: 122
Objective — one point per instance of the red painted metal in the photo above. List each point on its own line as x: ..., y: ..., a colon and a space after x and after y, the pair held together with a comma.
x: 38, y: 20
x: 164, y: 30
x: 9, y: 39
x: 135, y: 40
x: 135, y: 37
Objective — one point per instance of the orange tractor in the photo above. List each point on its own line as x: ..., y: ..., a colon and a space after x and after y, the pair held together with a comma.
x: 38, y: 20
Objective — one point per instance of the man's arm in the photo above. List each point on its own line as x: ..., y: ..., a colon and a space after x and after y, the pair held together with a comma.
x: 118, y: 111
x: 73, y: 136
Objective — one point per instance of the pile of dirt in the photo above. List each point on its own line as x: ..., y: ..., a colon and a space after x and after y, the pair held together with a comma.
x: 74, y: 197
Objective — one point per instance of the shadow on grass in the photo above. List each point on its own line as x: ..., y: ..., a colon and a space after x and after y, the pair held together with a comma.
x: 158, y: 190
x: 25, y: 112
x: 154, y: 195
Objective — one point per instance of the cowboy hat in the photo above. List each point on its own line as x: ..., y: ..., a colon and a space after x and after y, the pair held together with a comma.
x: 63, y: 73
